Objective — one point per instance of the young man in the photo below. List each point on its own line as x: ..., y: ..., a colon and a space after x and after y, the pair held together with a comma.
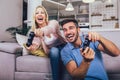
x: 85, y: 64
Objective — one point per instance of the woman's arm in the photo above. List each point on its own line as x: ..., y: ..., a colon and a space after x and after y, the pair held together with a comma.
x: 44, y: 46
x: 40, y: 34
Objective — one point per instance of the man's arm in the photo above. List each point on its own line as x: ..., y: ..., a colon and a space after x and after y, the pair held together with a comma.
x: 108, y: 47
x: 105, y: 45
x: 80, y: 72
x: 77, y: 72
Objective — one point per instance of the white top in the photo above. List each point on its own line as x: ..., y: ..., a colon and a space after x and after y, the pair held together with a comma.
x: 50, y: 40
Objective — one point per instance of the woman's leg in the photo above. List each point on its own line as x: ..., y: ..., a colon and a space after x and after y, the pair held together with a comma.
x: 55, y: 59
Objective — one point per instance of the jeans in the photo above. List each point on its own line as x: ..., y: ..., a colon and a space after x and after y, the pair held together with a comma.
x: 56, y: 63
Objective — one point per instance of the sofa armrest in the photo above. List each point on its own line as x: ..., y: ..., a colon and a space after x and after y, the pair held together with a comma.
x: 7, y: 66
x: 112, y: 64
x: 10, y: 47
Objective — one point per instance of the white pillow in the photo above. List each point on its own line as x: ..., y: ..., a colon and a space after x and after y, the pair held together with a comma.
x: 21, y: 39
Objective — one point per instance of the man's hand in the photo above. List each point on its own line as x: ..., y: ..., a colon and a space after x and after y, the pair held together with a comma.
x: 93, y: 36
x: 88, y: 54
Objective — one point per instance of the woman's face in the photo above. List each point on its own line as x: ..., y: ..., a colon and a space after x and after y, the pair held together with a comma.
x: 40, y: 16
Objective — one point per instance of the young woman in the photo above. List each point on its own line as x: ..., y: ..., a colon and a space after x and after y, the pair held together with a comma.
x: 40, y: 21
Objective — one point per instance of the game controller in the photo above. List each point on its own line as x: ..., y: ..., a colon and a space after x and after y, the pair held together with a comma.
x: 30, y: 39
x: 86, y: 43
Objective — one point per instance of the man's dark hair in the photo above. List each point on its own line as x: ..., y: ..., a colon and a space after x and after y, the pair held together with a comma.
x: 69, y: 20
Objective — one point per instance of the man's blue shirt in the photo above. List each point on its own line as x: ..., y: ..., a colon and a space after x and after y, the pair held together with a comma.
x: 96, y: 69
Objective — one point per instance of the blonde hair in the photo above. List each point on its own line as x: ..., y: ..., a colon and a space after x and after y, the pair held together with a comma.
x: 34, y: 26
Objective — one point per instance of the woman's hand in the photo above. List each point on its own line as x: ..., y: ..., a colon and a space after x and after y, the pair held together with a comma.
x: 32, y: 47
x: 39, y: 33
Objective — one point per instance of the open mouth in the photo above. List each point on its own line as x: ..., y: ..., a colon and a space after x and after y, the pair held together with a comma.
x: 70, y: 36
x: 40, y: 19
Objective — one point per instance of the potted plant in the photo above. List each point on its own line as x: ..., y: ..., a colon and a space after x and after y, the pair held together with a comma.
x: 23, y: 30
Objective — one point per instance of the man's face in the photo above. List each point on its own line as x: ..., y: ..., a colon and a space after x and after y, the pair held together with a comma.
x: 71, y: 32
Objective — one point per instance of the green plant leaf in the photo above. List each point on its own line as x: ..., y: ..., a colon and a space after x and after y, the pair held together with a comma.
x: 18, y: 29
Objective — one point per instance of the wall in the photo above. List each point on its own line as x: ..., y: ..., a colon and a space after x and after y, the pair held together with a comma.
x: 32, y: 4
x: 101, y: 15
x: 112, y: 35
x: 10, y: 15
x: 119, y: 11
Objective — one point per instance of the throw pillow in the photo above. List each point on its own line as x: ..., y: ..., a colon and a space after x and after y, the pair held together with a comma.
x: 21, y: 39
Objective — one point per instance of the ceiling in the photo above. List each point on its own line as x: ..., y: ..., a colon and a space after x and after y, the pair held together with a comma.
x: 53, y: 6
x: 64, y: 1
x: 50, y: 4
x: 74, y: 2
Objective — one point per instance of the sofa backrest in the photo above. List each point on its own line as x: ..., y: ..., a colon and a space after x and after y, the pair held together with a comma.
x: 112, y: 64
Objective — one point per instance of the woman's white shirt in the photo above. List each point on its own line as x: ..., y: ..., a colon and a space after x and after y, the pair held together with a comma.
x: 50, y: 40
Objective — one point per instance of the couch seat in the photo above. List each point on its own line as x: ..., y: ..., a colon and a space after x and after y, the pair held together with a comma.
x: 30, y: 63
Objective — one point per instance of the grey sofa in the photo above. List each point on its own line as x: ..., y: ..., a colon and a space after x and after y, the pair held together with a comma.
x: 13, y: 66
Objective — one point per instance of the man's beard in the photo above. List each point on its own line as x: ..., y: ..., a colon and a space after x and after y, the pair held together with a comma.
x: 76, y: 37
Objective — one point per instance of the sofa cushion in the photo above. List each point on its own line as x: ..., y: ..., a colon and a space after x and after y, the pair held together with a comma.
x: 112, y: 64
x: 32, y: 76
x: 22, y: 39
x: 30, y: 63
x: 9, y: 47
